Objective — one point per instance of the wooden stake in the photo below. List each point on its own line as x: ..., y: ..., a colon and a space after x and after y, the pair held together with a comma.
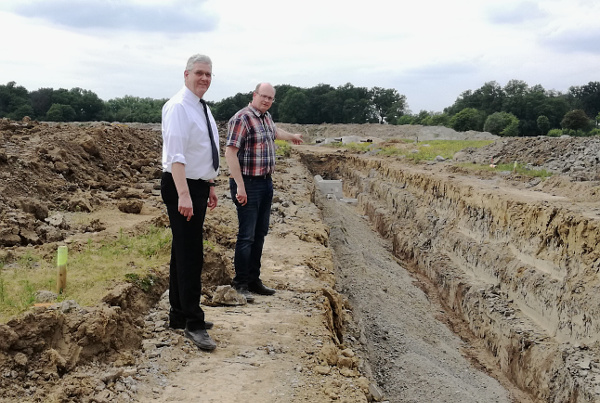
x: 61, y: 264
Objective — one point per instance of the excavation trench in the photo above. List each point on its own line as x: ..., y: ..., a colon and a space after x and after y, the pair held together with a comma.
x: 517, y: 268
x: 459, y: 286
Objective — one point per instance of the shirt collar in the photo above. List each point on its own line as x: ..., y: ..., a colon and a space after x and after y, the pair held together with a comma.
x: 189, y: 95
x: 257, y: 112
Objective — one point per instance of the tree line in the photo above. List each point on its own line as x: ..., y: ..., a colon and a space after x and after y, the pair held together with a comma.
x: 513, y: 110
x: 320, y: 104
x: 518, y: 109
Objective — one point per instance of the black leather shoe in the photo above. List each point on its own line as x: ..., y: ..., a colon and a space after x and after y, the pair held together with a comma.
x: 243, y: 290
x: 260, y: 289
x: 180, y: 324
x: 201, y: 339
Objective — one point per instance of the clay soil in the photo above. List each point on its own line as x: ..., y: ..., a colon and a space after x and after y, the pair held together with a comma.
x: 352, y: 321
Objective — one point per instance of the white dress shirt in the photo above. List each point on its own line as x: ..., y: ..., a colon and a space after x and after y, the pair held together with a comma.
x: 185, y: 136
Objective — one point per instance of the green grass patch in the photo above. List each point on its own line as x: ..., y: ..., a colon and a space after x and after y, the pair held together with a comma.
x: 354, y: 147
x: 429, y: 150
x: 283, y: 148
x: 92, y: 270
x: 422, y: 151
x: 143, y: 282
x: 519, y: 169
x: 359, y: 147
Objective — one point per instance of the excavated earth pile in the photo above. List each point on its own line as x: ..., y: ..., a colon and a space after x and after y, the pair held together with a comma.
x: 516, y: 259
x: 509, y: 263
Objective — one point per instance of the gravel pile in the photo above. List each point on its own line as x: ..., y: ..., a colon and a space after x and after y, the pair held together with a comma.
x: 577, y: 157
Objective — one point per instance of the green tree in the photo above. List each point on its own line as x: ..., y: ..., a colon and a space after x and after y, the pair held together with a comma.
x: 14, y: 101
x: 228, y: 107
x: 405, y: 120
x: 134, y: 109
x: 555, y: 107
x: 319, y: 109
x: 396, y: 110
x: 62, y: 96
x: 332, y: 108
x: 439, y: 119
x: 356, y: 104
x: 555, y: 133
x: 529, y: 103
x: 21, y: 112
x: 421, y: 118
x: 41, y: 100
x: 464, y: 100
x: 489, y: 97
x: 467, y: 119
x: 502, y: 124
x: 586, y: 97
x: 87, y: 105
x: 524, y: 102
x: 60, y: 113
x: 359, y: 111
x: 512, y: 129
x: 294, y: 107
x: 281, y: 92
x: 543, y: 124
x: 575, y: 120
x: 515, y: 102
x: 388, y: 103
x: 324, y: 104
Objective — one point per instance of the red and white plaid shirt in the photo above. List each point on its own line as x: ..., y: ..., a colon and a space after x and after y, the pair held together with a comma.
x: 253, y: 134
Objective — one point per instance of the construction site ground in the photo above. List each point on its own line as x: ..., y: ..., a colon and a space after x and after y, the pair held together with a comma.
x: 427, y: 282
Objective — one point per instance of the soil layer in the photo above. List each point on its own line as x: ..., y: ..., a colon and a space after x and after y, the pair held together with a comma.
x: 428, y: 282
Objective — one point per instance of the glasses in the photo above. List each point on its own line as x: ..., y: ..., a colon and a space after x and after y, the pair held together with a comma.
x: 205, y: 74
x: 266, y: 97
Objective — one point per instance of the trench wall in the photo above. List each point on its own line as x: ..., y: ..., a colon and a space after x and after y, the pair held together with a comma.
x: 520, y: 269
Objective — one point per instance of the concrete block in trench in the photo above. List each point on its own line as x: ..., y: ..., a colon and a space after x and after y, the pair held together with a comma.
x: 332, y: 189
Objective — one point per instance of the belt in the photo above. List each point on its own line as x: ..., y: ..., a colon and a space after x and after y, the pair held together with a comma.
x: 169, y: 174
x: 267, y: 176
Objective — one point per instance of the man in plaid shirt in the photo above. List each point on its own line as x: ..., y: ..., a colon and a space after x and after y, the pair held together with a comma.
x: 250, y: 155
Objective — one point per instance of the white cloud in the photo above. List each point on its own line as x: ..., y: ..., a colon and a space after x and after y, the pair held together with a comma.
x: 522, y: 12
x: 179, y: 16
x: 585, y: 40
x: 430, y: 51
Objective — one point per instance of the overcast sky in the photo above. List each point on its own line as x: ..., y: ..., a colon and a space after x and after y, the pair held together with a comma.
x: 428, y: 50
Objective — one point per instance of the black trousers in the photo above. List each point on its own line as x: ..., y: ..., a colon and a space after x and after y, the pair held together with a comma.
x: 187, y: 252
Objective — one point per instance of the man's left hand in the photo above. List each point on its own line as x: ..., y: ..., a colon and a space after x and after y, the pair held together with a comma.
x: 212, y: 198
x: 297, y: 138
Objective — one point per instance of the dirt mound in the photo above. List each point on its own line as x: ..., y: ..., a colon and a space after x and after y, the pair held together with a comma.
x: 69, y: 168
x: 51, y: 174
x: 315, y: 133
x: 577, y: 157
x: 122, y: 350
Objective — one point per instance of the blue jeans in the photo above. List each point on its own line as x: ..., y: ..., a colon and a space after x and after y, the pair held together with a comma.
x: 253, y: 219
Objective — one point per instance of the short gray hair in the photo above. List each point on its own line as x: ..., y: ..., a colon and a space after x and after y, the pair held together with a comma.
x: 197, y: 58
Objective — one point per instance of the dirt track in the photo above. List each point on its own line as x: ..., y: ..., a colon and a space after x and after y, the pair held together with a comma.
x: 367, y: 295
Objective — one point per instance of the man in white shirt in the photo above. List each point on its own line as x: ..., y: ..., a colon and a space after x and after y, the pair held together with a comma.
x: 190, y: 160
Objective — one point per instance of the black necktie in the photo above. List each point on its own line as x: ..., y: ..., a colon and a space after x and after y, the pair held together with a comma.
x: 215, y: 152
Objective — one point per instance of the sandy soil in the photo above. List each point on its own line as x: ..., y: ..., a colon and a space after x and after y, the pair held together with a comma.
x: 349, y: 321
